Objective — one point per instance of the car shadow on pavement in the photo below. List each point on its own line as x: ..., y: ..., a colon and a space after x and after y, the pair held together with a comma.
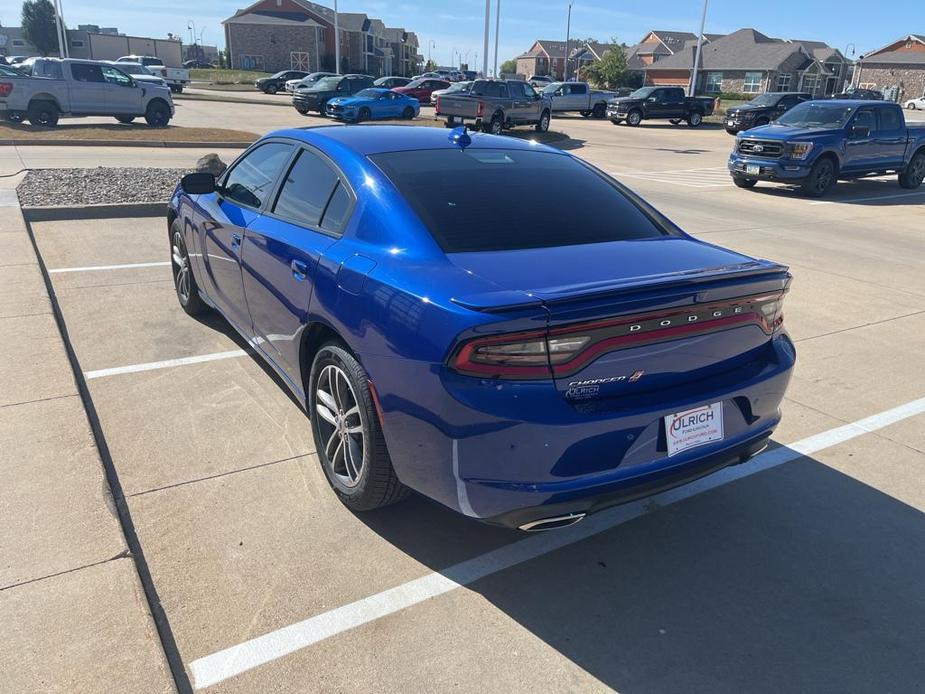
x: 799, y: 578
x: 877, y: 192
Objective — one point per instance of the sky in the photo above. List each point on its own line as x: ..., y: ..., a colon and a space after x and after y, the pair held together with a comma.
x: 458, y: 25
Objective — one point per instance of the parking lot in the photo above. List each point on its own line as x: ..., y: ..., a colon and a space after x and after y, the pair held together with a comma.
x: 799, y: 571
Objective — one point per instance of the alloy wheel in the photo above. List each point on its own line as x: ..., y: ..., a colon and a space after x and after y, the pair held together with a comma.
x: 340, y: 424
x: 823, y: 177
x: 181, y: 268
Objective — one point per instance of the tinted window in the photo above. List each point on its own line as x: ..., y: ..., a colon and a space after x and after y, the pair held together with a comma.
x: 252, y: 179
x: 84, y: 72
x: 113, y: 76
x: 469, y: 200
x: 486, y: 89
x: 889, y: 119
x: 579, y: 89
x: 336, y: 214
x: 865, y: 119
x: 503, y: 91
x: 307, y: 190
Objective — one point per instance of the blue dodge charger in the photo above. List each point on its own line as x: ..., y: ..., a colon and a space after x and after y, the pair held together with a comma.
x: 523, y: 365
x: 373, y: 104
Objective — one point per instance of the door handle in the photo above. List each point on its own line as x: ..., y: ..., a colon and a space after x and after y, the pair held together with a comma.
x: 299, y: 270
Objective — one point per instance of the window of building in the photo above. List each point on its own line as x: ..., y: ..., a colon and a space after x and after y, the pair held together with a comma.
x: 77, y: 43
x: 752, y: 83
x: 19, y: 43
x: 714, y: 83
x: 252, y: 62
x: 810, y: 82
x: 783, y: 81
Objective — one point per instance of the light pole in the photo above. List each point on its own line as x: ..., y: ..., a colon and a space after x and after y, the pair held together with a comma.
x: 497, y: 31
x: 336, y: 41
x: 692, y: 87
x: 191, y: 54
x: 430, y: 46
x: 568, y: 32
x: 487, y: 29
x: 61, y: 31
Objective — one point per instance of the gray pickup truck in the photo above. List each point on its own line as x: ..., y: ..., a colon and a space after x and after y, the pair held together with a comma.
x: 73, y: 88
x: 578, y: 96
x: 493, y: 105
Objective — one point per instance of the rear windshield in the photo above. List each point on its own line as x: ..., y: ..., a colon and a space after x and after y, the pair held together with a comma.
x: 485, y: 199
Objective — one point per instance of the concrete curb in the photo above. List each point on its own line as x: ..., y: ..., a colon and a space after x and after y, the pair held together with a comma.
x: 126, y: 143
x: 112, y: 211
x: 232, y: 100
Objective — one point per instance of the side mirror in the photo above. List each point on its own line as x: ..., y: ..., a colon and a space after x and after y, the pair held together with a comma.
x: 198, y: 183
x: 860, y: 131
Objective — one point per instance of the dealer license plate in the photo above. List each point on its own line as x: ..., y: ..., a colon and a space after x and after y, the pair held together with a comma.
x: 692, y: 428
x: 730, y: 122
x: 752, y: 169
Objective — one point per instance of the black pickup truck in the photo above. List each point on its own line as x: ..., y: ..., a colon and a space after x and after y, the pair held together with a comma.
x: 761, y: 110
x: 667, y: 103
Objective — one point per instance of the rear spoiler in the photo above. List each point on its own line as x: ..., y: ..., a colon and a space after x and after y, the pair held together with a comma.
x: 513, y: 300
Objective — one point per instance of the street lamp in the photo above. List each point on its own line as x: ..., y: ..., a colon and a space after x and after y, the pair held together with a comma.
x: 430, y: 46
x: 568, y: 31
x: 692, y: 87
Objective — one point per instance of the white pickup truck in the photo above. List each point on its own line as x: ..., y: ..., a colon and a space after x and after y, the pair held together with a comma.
x: 578, y: 96
x: 73, y: 88
x: 175, y: 77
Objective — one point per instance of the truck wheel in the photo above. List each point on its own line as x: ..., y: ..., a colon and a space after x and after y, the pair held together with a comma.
x: 157, y: 115
x: 272, y: 89
x: 912, y: 175
x: 496, y: 125
x: 634, y: 118
x: 616, y: 121
x: 125, y: 119
x: 821, y: 178
x: 599, y: 110
x: 302, y: 111
x: 543, y: 124
x: 323, y: 109
x: 674, y: 121
x: 43, y: 114
x: 744, y: 182
x: 694, y: 119
x: 585, y: 114
x: 363, y: 114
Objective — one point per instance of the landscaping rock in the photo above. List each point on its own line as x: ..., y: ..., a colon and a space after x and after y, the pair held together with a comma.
x: 211, y: 163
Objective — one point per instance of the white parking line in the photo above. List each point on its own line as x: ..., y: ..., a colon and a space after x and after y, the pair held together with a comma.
x: 154, y: 365
x: 873, y: 197
x: 94, y: 268
x: 232, y: 661
x: 712, y: 177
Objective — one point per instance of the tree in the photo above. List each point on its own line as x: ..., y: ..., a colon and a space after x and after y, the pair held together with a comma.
x: 430, y: 66
x: 508, y: 67
x: 610, y: 71
x: 39, y: 26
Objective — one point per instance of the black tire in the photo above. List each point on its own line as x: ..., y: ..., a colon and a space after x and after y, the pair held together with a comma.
x: 496, y: 125
x: 176, y: 88
x: 911, y: 176
x: 744, y: 182
x: 674, y: 121
x: 599, y: 111
x: 821, y: 177
x: 125, y: 119
x: 184, y: 281
x: 585, y: 114
x: 303, y: 111
x: 634, y: 118
x: 363, y: 114
x: 323, y: 109
x: 694, y: 119
x: 408, y: 113
x: 911, y: 107
x: 543, y: 125
x: 43, y: 114
x: 272, y: 89
x: 375, y: 484
x: 157, y: 115
x: 616, y: 121
x: 14, y: 117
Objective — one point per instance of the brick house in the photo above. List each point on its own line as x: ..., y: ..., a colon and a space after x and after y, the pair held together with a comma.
x: 897, y: 69
x: 748, y: 62
x: 543, y: 58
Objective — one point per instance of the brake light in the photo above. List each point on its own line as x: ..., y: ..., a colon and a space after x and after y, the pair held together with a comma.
x: 5, y: 88
x: 480, y: 109
x: 437, y: 105
x: 562, y: 351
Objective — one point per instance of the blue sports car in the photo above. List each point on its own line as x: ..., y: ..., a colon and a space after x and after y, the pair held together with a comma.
x: 373, y: 103
x: 523, y: 365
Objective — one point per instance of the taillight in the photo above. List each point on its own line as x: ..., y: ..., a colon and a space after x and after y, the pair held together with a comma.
x: 564, y: 350
x: 5, y: 88
x: 480, y: 109
x: 436, y: 105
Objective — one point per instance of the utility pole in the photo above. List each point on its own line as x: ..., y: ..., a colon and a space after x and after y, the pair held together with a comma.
x: 692, y: 87
x: 63, y: 51
x: 336, y: 41
x: 487, y: 29
x: 568, y: 32
x: 497, y: 31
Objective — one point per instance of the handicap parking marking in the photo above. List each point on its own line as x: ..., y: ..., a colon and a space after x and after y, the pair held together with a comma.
x: 166, y: 364
x: 710, y: 177
x: 97, y: 268
x: 235, y: 660
x: 871, y: 198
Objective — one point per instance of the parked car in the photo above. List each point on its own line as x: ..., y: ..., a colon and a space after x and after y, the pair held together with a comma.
x: 139, y: 73
x: 762, y: 110
x: 455, y: 88
x: 913, y: 104
x: 374, y: 103
x: 577, y: 96
x: 818, y: 142
x: 857, y: 93
x: 649, y: 103
x: 470, y: 75
x: 306, y: 82
x: 429, y: 75
x: 316, y: 97
x: 392, y: 82
x: 15, y: 59
x: 493, y: 105
x: 176, y: 78
x: 623, y: 91
x: 277, y: 82
x: 422, y: 89
x: 73, y: 88
x: 595, y: 348
x: 198, y: 65
x: 540, y: 81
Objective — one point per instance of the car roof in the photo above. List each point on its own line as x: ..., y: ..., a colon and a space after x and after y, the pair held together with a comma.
x: 396, y: 138
x: 853, y: 102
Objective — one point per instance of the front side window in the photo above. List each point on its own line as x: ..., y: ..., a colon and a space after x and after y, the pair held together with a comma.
x: 252, y: 179
x: 468, y: 199
x: 752, y: 83
x: 714, y: 83
x: 118, y: 77
x: 866, y: 118
x: 84, y: 72
x: 306, y: 191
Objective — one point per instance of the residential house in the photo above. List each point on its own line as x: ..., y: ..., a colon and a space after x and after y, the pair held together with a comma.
x: 543, y: 58
x: 748, y: 62
x: 586, y: 53
x: 897, y: 69
x: 658, y: 44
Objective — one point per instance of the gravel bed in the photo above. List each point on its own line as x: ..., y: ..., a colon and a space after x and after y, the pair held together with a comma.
x: 75, y: 187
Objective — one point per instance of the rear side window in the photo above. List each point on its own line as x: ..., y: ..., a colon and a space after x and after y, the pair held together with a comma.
x: 890, y: 119
x: 486, y: 89
x: 472, y: 200
x: 306, y: 191
x: 252, y: 179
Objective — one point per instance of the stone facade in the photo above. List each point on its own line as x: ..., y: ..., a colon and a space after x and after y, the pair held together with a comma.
x: 908, y: 80
x: 273, y: 48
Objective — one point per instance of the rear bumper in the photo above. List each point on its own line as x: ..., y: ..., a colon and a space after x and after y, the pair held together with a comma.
x: 781, y: 170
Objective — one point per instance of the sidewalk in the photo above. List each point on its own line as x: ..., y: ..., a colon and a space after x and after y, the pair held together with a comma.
x: 74, y: 615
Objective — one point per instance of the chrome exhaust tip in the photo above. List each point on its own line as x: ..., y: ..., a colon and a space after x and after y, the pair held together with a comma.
x: 553, y: 523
